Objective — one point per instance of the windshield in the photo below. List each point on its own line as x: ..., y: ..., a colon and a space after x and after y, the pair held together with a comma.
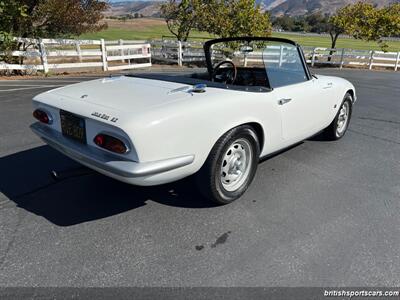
x: 242, y: 54
x: 270, y: 62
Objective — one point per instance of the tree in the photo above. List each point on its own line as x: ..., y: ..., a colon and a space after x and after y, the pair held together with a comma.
x: 230, y: 18
x: 54, y: 18
x: 366, y: 22
x: 224, y: 18
x: 335, y: 28
x: 388, y: 23
x: 12, y: 13
x: 392, y: 13
x: 300, y: 24
x: 283, y: 22
x: 181, y: 16
x: 239, y: 18
x: 350, y: 19
x: 317, y: 22
x: 46, y: 18
x: 51, y: 18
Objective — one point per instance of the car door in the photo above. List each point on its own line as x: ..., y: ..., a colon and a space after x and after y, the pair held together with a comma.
x: 301, y: 109
x: 297, y: 94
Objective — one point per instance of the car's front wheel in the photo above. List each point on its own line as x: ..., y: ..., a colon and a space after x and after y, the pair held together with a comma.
x: 230, y: 166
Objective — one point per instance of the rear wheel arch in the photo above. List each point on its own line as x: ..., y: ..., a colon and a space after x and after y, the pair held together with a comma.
x: 255, y: 126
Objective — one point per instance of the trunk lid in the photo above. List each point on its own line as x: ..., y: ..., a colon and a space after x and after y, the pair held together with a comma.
x: 125, y: 94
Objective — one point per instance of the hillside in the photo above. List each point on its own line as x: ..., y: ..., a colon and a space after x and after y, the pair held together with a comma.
x: 277, y: 7
x: 301, y: 7
x: 146, y: 8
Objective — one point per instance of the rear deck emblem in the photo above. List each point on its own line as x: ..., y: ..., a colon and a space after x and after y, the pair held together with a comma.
x: 104, y: 117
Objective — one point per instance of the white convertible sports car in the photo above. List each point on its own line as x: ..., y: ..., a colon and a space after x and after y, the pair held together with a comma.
x: 257, y: 97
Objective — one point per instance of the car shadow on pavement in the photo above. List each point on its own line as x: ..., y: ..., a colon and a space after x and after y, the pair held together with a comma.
x: 25, y: 179
x: 320, y: 137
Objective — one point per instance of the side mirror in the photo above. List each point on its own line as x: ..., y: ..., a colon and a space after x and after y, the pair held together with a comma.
x: 246, y: 49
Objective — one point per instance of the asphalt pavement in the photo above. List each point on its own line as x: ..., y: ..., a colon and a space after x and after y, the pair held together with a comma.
x: 320, y: 214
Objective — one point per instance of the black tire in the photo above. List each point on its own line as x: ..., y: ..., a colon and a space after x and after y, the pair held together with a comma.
x: 331, y: 132
x: 209, y: 179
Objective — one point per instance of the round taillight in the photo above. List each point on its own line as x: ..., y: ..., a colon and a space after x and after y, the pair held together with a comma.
x: 99, y: 140
x: 110, y: 143
x: 42, y: 116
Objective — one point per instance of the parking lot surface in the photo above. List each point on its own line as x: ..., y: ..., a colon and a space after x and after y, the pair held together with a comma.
x: 319, y: 214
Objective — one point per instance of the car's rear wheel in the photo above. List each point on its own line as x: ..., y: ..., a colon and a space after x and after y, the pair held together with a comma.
x: 230, y: 166
x: 337, y: 129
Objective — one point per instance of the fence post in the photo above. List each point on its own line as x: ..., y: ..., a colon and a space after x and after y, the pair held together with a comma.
x: 104, y: 55
x: 121, y: 43
x: 397, y: 61
x: 180, y: 54
x: 313, y: 57
x: 149, y: 51
x: 43, y: 56
x: 78, y: 50
x: 371, y: 59
x: 342, y: 59
x: 280, y: 56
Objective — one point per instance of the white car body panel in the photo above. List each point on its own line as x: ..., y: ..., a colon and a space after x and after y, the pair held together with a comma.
x: 162, y: 123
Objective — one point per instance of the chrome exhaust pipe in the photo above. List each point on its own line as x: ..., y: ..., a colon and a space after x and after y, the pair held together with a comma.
x: 58, y: 175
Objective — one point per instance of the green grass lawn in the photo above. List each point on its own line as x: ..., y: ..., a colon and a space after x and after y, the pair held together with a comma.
x: 153, y: 32
x: 133, y: 31
x: 325, y: 42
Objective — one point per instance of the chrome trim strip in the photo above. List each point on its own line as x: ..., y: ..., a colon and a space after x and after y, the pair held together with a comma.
x: 111, y: 163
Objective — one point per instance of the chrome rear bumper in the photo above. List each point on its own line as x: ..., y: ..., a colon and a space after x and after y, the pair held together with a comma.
x: 108, y: 162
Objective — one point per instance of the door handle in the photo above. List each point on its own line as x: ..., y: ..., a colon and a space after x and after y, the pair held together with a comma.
x: 284, y: 101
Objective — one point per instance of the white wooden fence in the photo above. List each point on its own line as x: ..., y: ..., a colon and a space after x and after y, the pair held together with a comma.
x: 349, y: 57
x: 48, y: 54
x: 190, y: 52
x: 173, y: 51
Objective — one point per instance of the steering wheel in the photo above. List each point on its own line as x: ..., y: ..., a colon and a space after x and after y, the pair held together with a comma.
x: 227, y: 77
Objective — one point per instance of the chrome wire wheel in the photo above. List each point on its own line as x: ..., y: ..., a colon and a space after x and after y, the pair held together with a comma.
x: 236, y: 165
x: 343, y: 119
